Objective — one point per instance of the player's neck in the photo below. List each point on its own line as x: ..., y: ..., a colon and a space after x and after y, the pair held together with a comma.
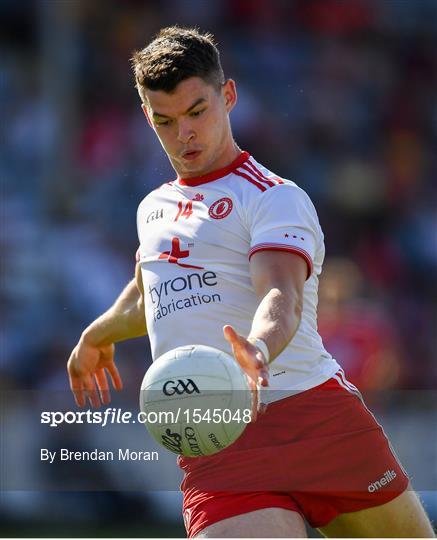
x: 229, y: 155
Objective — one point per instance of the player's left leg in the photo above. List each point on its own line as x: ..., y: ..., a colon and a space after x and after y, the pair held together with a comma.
x: 403, y: 517
x: 263, y: 523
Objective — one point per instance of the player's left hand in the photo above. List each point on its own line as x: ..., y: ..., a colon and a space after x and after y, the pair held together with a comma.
x: 252, y: 361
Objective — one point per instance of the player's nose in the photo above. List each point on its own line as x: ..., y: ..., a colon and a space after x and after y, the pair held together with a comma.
x: 185, y: 132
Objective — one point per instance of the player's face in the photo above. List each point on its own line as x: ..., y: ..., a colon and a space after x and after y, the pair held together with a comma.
x: 192, y: 124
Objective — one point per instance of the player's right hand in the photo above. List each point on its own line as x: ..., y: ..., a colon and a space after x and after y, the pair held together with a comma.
x: 252, y: 361
x: 87, y: 368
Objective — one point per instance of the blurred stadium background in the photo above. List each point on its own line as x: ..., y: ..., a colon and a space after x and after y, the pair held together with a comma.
x: 339, y: 96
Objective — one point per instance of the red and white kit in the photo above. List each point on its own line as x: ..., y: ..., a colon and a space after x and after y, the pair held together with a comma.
x: 196, y: 239
x: 320, y: 451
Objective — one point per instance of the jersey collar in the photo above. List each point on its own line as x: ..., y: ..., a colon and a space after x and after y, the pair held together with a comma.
x: 215, y: 175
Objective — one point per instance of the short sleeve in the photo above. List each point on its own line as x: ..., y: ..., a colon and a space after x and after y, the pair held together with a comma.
x: 283, y: 218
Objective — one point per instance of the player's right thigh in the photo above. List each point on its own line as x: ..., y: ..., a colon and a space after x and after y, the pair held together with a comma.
x: 263, y: 523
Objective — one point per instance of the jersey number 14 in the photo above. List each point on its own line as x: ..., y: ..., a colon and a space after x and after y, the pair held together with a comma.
x: 184, y: 212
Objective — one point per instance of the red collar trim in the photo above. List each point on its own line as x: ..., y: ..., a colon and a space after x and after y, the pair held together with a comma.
x: 219, y: 173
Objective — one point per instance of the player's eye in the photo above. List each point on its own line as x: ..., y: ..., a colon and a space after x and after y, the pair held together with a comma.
x: 197, y: 113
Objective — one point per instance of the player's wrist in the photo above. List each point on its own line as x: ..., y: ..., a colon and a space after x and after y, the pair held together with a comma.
x: 261, y: 345
x: 88, y: 339
x: 93, y: 337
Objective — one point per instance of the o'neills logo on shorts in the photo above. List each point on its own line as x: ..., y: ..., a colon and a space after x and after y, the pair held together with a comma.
x: 386, y: 479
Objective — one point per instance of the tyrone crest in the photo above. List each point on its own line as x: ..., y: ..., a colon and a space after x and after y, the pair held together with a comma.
x: 221, y: 208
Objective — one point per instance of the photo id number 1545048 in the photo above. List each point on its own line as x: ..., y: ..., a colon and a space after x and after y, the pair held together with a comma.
x: 217, y: 416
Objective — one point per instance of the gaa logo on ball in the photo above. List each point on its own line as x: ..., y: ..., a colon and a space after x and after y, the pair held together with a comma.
x: 179, y: 387
x: 197, y: 399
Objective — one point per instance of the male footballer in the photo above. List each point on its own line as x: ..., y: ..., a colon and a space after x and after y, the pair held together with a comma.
x: 229, y: 255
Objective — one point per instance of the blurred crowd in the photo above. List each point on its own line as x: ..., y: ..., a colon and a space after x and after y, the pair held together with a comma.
x: 339, y: 96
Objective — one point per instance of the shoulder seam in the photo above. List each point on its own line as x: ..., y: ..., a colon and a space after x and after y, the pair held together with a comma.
x: 250, y: 172
x: 273, y: 180
x: 250, y: 179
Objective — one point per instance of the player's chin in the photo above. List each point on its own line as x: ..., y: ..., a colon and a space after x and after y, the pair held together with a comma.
x: 193, y: 168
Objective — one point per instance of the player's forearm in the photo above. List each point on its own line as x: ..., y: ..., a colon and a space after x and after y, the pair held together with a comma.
x: 125, y: 319
x: 276, y: 320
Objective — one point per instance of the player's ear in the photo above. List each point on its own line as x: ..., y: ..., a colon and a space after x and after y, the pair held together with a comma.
x: 229, y: 92
x: 146, y: 114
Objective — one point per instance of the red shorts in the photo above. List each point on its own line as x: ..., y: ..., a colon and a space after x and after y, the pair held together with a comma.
x: 320, y: 453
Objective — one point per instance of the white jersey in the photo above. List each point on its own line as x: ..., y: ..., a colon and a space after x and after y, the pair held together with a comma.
x: 196, y: 239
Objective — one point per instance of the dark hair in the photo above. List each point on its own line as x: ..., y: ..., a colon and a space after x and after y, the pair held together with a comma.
x: 175, y: 54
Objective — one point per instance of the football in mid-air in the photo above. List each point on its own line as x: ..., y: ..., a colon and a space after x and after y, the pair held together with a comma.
x: 195, y: 400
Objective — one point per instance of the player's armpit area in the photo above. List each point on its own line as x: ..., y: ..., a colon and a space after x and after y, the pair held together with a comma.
x: 139, y: 279
x: 140, y: 287
x: 140, y: 306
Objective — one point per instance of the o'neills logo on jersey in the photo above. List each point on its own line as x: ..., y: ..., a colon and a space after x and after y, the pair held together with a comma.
x: 221, y: 208
x: 388, y: 477
x: 166, y: 297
